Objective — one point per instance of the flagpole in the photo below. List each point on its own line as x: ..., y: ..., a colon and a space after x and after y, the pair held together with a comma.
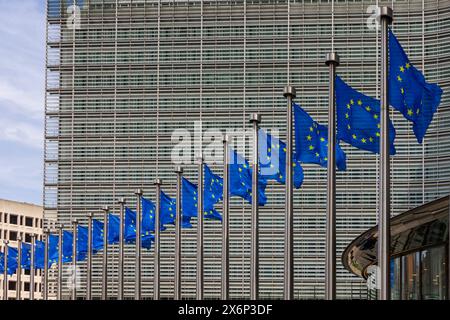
x: 105, y: 210
x: 89, y: 259
x: 32, y: 262
x: 60, y: 258
x: 200, y: 230
x: 178, y: 218
x: 120, y: 282
x: 289, y: 93
x: 138, y: 271
x: 19, y: 269
x: 448, y: 247
x: 156, y: 277
x: 255, y: 120
x: 45, y: 275
x: 5, y: 269
x: 384, y: 229
x: 225, y: 223
x: 332, y: 61
x: 74, y: 258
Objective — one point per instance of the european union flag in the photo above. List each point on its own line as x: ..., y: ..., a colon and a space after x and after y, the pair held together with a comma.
x: 241, y: 179
x: 130, y: 230
x: 409, y: 93
x: 213, y: 186
x: 12, y: 263
x: 97, y: 235
x: 53, y: 249
x: 39, y: 254
x: 272, y: 160
x: 148, y: 216
x: 311, y: 141
x: 25, y: 259
x: 167, y: 209
x: 67, y: 246
x: 189, y: 198
x: 213, y: 193
x: 358, y: 119
x: 82, y: 242
x: 148, y: 219
x: 13, y: 254
x: 130, y: 225
x: 113, y: 228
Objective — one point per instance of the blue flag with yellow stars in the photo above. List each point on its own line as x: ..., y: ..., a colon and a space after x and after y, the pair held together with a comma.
x: 311, y: 141
x: 130, y: 225
x: 189, y: 198
x: 148, y: 216
x: 167, y: 209
x: 39, y: 254
x: 130, y: 230
x: 190, y: 203
x: 67, y: 246
x: 53, y: 249
x: 25, y: 259
x: 272, y: 160
x: 97, y: 235
x: 113, y: 228
x: 409, y: 92
x: 168, y: 212
x: 12, y: 262
x: 240, y: 174
x: 358, y: 119
x: 82, y: 242
x: 213, y: 188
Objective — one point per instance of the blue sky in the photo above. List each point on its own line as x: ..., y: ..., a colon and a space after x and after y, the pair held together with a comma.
x: 22, y: 90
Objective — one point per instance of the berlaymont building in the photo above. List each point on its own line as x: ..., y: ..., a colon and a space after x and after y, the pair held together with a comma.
x: 122, y: 75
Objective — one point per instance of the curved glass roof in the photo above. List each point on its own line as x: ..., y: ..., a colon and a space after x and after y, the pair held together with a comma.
x: 412, y: 230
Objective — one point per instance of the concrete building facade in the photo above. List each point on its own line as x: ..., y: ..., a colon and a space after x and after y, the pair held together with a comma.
x: 19, y: 219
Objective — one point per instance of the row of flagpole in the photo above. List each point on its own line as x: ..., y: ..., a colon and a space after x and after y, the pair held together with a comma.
x: 332, y: 61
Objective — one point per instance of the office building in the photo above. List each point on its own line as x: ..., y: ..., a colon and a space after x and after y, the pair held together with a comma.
x: 19, y: 219
x: 127, y: 73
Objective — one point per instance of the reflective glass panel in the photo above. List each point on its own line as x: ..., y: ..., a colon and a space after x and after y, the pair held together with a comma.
x: 410, y: 276
x: 433, y: 274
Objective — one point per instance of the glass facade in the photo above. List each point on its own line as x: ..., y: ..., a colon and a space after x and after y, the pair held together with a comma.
x: 420, y: 275
x: 129, y: 72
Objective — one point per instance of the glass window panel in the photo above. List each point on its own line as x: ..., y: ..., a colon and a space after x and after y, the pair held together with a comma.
x: 396, y: 279
x: 433, y: 274
x: 410, y: 276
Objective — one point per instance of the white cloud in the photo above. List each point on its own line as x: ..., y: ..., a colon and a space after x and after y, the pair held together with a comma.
x: 22, y: 57
x: 22, y: 92
x: 24, y: 133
